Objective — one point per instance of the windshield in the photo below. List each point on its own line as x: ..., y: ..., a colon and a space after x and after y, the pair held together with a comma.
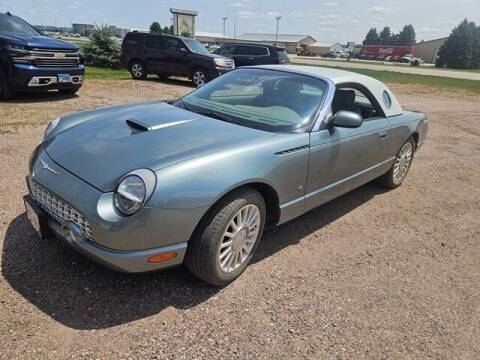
x: 196, y: 46
x: 271, y: 100
x: 14, y: 25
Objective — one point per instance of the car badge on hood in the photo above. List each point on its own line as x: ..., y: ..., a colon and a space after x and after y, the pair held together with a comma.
x: 47, y: 167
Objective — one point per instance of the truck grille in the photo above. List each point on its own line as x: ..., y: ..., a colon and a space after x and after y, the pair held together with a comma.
x: 55, y: 62
x: 59, y: 209
x: 50, y: 58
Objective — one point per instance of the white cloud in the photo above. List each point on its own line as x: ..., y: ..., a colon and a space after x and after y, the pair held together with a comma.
x: 245, y: 14
x: 330, y: 3
x: 378, y: 10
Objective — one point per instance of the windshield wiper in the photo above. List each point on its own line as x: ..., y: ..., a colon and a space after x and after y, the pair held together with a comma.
x: 212, y: 114
x: 217, y: 115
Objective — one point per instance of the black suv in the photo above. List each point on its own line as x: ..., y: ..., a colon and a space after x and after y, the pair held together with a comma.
x: 32, y: 61
x: 254, y: 54
x: 167, y: 55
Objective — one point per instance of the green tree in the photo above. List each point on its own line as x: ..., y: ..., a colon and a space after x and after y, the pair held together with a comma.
x: 156, y: 28
x: 372, y: 37
x: 102, y: 50
x: 461, y: 49
x: 407, y: 36
x: 166, y: 30
x: 386, y: 36
x: 172, y: 30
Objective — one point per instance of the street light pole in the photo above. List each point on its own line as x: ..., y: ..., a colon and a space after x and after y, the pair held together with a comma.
x: 224, y: 20
x: 276, y: 32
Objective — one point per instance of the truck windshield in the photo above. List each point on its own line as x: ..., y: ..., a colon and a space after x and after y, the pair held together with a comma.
x: 271, y: 100
x: 14, y: 25
x: 196, y: 46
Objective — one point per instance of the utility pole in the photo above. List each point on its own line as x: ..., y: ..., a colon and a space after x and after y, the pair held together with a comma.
x: 224, y: 20
x: 277, y: 18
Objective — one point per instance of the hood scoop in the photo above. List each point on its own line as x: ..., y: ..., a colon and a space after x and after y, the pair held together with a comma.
x: 141, y: 126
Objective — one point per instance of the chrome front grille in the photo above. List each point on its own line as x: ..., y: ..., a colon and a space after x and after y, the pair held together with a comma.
x: 59, y: 209
x: 50, y: 58
x: 55, y: 62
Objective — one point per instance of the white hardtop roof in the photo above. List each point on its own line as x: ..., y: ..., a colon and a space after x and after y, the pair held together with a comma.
x: 376, y: 87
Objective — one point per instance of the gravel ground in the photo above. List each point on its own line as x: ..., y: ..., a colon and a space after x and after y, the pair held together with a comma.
x: 374, y: 274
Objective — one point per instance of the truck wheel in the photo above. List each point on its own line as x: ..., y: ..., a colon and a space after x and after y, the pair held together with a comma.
x: 226, y: 239
x: 137, y: 70
x: 6, y: 91
x: 199, y: 77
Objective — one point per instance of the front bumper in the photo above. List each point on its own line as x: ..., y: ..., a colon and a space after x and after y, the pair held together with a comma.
x: 22, y: 77
x: 121, y: 243
x: 125, y: 261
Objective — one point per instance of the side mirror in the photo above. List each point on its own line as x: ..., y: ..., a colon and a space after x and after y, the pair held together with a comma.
x: 347, y: 119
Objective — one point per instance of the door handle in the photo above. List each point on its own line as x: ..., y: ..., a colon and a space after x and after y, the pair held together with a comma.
x: 383, y: 134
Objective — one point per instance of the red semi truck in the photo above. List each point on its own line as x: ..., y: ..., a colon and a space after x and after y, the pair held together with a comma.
x: 380, y: 52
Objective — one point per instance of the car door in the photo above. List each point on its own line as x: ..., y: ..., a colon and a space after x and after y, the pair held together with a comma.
x: 342, y: 159
x: 156, y: 55
x: 178, y: 56
x: 239, y: 55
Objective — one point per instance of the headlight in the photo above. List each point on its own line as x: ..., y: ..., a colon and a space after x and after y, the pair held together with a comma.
x: 16, y: 48
x: 51, y: 126
x: 220, y: 62
x: 130, y: 195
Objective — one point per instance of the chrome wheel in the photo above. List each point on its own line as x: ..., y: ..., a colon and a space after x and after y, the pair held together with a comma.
x: 239, y: 238
x: 137, y: 70
x: 199, y: 78
x: 402, y: 163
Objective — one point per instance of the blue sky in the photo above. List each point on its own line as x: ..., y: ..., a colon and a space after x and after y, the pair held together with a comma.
x: 327, y: 20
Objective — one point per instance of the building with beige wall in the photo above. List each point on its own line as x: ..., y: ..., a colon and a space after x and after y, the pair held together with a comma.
x: 428, y: 50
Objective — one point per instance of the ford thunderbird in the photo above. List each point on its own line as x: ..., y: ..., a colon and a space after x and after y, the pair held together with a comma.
x: 146, y: 186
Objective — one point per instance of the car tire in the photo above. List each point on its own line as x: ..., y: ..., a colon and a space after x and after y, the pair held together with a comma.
x: 399, y: 170
x: 199, y: 76
x: 6, y: 91
x: 137, y: 70
x: 218, y: 253
x: 71, y: 91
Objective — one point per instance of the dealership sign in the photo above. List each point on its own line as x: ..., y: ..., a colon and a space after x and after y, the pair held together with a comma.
x: 184, y: 22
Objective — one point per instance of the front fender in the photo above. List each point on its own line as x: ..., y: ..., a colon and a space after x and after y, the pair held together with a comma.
x: 202, y: 181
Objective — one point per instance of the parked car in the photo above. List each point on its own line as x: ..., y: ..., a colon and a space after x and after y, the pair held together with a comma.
x: 32, y: 61
x: 254, y: 54
x: 330, y: 54
x: 141, y: 187
x: 168, y: 55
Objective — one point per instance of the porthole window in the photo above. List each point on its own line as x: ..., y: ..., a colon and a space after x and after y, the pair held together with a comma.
x: 387, y: 100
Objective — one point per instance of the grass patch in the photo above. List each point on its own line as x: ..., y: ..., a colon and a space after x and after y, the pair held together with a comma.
x: 92, y: 72
x: 438, y: 82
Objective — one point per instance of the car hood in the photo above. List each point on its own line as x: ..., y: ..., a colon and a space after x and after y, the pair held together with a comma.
x: 40, y: 41
x: 100, y: 146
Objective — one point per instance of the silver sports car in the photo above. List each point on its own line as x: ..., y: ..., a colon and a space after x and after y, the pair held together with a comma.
x: 141, y: 187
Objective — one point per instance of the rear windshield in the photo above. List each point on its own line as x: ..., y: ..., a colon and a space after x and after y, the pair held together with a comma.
x: 282, y: 54
x: 14, y: 25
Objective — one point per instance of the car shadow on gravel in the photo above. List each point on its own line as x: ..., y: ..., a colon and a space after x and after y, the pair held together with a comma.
x: 39, y: 97
x: 84, y: 295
